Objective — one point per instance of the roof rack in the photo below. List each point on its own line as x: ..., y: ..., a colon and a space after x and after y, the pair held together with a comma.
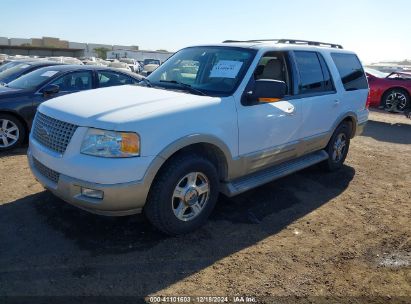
x: 290, y: 41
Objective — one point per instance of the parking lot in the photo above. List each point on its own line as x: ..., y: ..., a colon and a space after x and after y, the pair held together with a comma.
x: 310, y: 234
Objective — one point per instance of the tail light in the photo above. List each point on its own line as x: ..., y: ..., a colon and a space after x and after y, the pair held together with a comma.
x: 368, y: 102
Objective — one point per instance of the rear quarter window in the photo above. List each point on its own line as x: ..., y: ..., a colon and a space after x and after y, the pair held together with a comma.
x: 351, y: 71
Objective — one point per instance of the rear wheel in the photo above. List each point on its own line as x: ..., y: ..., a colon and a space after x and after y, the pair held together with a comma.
x: 395, y: 100
x: 337, y: 148
x: 183, y: 195
x: 12, y: 132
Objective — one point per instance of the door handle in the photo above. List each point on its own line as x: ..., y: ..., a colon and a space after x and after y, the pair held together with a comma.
x: 336, y: 101
x: 290, y: 110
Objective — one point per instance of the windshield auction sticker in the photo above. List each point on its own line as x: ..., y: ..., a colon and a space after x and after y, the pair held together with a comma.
x: 226, y: 69
x: 49, y: 73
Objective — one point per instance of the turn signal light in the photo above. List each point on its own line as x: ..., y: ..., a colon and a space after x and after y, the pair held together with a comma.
x: 130, y: 143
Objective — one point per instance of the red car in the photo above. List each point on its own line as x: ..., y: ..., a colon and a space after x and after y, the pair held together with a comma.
x: 390, y: 91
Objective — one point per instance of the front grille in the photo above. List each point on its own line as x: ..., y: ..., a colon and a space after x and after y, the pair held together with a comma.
x: 46, y: 171
x: 53, y: 133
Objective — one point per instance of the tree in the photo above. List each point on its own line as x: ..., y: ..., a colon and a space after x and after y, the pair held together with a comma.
x: 101, y: 52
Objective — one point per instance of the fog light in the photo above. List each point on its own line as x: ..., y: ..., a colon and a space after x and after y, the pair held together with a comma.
x: 92, y: 193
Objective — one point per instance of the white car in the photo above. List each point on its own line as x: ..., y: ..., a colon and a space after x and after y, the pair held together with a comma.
x: 217, y: 118
x: 120, y: 66
x: 150, y: 65
x: 3, y: 57
x: 66, y: 60
x: 133, y: 64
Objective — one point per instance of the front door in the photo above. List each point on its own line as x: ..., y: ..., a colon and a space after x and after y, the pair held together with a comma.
x: 68, y: 83
x: 269, y: 132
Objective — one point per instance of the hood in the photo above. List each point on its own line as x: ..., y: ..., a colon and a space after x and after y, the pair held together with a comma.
x: 108, y: 108
x: 6, y: 91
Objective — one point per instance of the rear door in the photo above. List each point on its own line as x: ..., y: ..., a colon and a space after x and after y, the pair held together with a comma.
x: 320, y: 102
x: 353, y: 84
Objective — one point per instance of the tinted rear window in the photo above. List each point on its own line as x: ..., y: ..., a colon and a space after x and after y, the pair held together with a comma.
x: 314, y: 74
x: 351, y: 71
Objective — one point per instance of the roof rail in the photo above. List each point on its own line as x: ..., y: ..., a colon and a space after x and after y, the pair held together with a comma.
x: 290, y: 41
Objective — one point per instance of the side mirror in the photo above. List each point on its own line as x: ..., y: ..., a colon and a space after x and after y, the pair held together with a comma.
x: 50, y: 89
x: 267, y: 90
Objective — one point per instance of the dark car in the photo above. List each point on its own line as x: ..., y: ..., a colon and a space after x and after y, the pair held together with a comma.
x: 7, y: 64
x: 22, y: 69
x: 20, y: 98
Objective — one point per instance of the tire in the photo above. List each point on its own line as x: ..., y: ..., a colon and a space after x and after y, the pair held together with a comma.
x: 12, y: 132
x: 177, y: 202
x: 395, y: 100
x: 337, y: 148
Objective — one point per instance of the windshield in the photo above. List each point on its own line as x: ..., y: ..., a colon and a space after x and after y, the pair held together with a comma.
x: 211, y: 70
x: 400, y: 75
x: 9, y: 65
x: 376, y: 73
x: 14, y: 71
x: 33, y: 79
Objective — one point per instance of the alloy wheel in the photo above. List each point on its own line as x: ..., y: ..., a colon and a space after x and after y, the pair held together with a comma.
x: 339, y: 147
x: 190, y: 196
x: 9, y: 133
x: 396, y: 102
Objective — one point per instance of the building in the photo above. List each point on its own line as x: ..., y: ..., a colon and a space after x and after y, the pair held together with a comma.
x: 50, y: 46
x: 49, y: 42
x: 139, y: 55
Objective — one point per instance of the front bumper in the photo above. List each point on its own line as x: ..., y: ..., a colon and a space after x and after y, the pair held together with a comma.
x: 118, y: 200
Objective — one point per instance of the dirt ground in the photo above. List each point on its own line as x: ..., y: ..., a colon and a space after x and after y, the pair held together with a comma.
x: 312, y: 234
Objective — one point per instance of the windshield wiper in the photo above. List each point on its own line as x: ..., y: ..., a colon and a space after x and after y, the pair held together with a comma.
x: 185, y: 85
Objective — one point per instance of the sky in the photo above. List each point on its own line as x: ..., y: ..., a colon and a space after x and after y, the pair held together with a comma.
x: 376, y: 29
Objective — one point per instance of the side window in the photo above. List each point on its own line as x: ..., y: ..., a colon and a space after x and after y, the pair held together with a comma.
x: 109, y: 79
x: 273, y: 65
x: 76, y: 81
x: 328, y: 82
x: 314, y: 74
x: 351, y: 71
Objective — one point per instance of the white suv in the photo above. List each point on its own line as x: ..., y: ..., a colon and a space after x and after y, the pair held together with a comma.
x: 217, y: 118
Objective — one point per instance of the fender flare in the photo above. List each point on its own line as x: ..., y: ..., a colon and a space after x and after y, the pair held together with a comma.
x: 352, y: 116
x: 184, y: 142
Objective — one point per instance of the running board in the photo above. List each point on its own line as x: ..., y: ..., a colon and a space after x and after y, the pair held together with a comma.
x: 262, y: 177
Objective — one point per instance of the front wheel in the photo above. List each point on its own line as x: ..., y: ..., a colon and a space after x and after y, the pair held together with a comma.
x: 183, y: 195
x: 337, y: 147
x: 12, y: 132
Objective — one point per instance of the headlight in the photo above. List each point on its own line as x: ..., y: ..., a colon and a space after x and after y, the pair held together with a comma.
x: 105, y: 143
